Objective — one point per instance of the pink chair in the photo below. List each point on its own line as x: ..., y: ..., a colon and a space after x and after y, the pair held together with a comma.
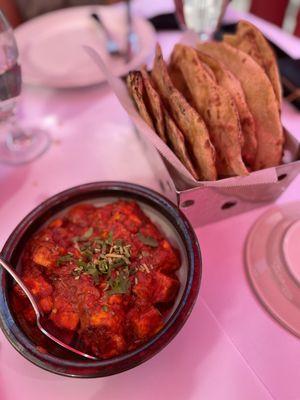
x: 273, y: 11
x: 297, y: 29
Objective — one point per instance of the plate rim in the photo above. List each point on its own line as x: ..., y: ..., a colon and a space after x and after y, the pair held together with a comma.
x: 41, y: 81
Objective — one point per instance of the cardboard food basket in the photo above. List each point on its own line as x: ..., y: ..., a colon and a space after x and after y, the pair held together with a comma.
x: 206, y: 202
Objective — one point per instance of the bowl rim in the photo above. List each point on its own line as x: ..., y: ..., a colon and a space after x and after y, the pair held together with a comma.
x: 131, y: 359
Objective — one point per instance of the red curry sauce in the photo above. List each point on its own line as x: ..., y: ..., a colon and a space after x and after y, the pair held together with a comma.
x: 102, y: 275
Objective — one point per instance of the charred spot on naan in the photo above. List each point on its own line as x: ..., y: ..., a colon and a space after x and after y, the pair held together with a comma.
x: 178, y: 144
x: 155, y: 104
x: 137, y: 90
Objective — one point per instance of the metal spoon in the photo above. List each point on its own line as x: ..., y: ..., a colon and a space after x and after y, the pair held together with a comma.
x: 41, y: 320
x: 111, y: 45
x: 131, y: 36
x: 132, y: 43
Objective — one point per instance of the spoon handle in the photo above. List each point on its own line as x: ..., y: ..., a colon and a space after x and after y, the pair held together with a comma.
x: 15, y: 276
x: 19, y: 281
x: 99, y: 21
x: 128, y: 54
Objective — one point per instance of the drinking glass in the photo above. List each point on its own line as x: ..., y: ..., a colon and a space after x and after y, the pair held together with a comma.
x: 18, y: 144
x: 201, y: 16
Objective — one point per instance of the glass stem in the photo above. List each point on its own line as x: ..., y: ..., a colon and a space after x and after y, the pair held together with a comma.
x: 16, y: 138
x: 204, y: 36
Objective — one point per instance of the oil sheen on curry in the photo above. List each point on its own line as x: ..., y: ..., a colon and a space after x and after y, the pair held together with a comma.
x: 104, y: 277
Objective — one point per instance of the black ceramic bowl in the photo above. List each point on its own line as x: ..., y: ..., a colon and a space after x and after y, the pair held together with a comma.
x: 164, y: 214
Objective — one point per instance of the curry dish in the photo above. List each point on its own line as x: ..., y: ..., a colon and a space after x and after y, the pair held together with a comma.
x: 103, y: 276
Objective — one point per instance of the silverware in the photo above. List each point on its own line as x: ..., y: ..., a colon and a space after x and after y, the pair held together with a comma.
x: 130, y: 34
x: 112, y: 46
x: 42, y: 322
x: 132, y: 38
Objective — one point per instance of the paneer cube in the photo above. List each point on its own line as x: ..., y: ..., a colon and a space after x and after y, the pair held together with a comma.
x: 102, y: 318
x: 146, y: 323
x: 155, y: 287
x: 46, y: 304
x: 65, y: 319
x: 165, y: 288
x: 45, y: 254
x: 128, y: 215
x: 81, y: 214
x: 143, y: 287
x: 102, y: 341
x: 38, y: 286
x: 167, y: 258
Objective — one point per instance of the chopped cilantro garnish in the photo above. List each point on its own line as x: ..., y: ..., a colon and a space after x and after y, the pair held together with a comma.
x: 85, y: 236
x: 109, y: 240
x: 120, y: 284
x: 64, y: 259
x: 148, y: 240
x: 88, y: 233
x: 100, y: 258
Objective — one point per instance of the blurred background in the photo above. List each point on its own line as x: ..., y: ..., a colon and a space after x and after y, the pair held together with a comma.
x: 284, y: 13
x: 280, y: 12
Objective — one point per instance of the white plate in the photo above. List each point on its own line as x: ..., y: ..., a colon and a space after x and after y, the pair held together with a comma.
x: 51, y: 52
x: 272, y: 257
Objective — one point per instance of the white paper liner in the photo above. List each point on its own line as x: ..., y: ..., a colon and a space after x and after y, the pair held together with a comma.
x: 268, y: 175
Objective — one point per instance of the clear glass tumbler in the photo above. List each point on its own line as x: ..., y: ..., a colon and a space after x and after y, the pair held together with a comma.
x: 201, y: 16
x: 18, y: 145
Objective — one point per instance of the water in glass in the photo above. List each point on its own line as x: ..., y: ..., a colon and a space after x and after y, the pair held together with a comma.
x: 10, y: 72
x: 201, y: 16
x: 17, y: 144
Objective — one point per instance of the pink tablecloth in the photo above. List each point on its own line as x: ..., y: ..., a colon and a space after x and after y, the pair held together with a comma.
x: 230, y: 349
